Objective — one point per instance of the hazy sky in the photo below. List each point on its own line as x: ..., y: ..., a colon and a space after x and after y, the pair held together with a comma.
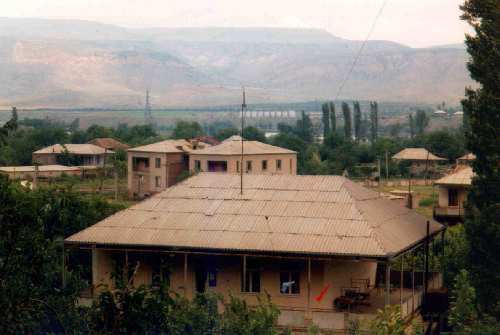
x: 416, y: 23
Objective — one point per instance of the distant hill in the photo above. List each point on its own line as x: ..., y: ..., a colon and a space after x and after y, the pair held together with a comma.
x: 71, y: 63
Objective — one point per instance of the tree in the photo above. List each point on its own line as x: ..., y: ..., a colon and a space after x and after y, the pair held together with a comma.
x: 463, y: 311
x: 347, y: 121
x: 325, y: 108
x: 411, y: 125
x: 304, y: 128
x: 187, y: 130
x: 388, y: 322
x: 224, y: 133
x: 374, y: 121
x: 482, y: 108
x: 333, y: 117
x: 421, y: 122
x: 253, y: 134
x: 357, y: 120
x: 9, y: 127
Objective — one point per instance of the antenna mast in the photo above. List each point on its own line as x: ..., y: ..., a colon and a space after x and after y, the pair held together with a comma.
x: 243, y: 107
x: 148, y: 116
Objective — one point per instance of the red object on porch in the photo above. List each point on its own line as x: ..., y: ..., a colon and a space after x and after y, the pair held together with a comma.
x: 322, y: 293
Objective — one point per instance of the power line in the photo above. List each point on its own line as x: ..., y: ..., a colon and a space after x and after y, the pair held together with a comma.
x: 379, y: 13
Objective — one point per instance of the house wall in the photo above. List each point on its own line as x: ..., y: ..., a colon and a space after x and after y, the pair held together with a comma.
x: 44, y: 159
x: 335, y: 273
x: 171, y: 166
x: 288, y: 163
x: 443, y: 196
x: 41, y: 174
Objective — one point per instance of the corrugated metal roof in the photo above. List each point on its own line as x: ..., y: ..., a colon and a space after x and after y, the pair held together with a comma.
x: 77, y: 149
x: 109, y: 143
x: 461, y: 177
x: 293, y: 214
x: 416, y: 154
x: 41, y: 168
x: 170, y: 146
x: 467, y: 157
x: 232, y: 146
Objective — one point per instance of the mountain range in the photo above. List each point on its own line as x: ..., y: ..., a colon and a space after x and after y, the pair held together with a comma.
x: 85, y: 64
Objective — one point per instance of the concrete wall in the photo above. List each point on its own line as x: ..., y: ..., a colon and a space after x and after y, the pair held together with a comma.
x: 335, y: 273
x: 288, y: 163
x: 171, y: 166
x: 41, y: 174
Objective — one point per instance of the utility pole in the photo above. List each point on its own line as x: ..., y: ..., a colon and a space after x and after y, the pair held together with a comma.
x: 386, y: 165
x: 243, y: 107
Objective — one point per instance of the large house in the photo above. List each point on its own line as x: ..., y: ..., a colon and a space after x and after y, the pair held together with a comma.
x: 78, y: 154
x: 154, y: 167
x: 258, y: 158
x: 453, y: 190
x: 420, y: 159
x: 320, y: 246
x: 42, y: 171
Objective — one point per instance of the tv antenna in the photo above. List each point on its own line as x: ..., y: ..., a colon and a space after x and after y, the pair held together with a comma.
x: 243, y: 108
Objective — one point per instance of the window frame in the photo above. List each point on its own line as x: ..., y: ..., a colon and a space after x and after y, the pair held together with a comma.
x: 279, y: 165
x: 248, y: 166
x: 157, y: 163
x: 293, y: 290
x: 264, y: 165
x: 158, y: 181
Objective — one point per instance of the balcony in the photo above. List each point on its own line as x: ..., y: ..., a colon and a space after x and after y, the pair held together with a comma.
x: 451, y: 212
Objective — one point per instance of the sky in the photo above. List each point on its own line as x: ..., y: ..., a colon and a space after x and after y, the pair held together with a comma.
x: 417, y: 23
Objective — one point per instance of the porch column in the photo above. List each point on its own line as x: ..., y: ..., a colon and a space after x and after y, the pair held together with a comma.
x: 388, y: 283
x: 308, y: 316
x: 185, y: 274
x: 413, y: 285
x: 244, y: 279
x: 401, y: 281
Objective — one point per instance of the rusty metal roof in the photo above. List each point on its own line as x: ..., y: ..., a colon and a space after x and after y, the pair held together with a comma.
x: 170, y: 146
x: 76, y: 149
x: 232, y: 146
x: 416, y: 154
x: 314, y: 215
x: 109, y: 143
x: 461, y: 177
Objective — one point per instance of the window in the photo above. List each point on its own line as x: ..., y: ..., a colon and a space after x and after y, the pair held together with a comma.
x: 252, y: 281
x: 157, y: 163
x: 217, y: 166
x: 197, y: 165
x: 452, y: 197
x: 290, y: 282
x: 278, y: 164
x: 237, y: 166
x: 158, y: 181
x: 249, y: 166
x: 264, y: 165
x: 98, y: 160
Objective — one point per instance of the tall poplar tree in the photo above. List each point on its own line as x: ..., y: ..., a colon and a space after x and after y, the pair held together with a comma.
x: 357, y: 120
x: 333, y: 117
x: 347, y: 121
x: 482, y: 109
x: 325, y: 108
x: 411, y: 123
x: 374, y: 121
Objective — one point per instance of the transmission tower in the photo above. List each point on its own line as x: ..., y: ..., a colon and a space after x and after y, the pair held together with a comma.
x: 148, y: 116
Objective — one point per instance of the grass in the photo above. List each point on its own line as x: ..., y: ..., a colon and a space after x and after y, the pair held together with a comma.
x: 426, y: 193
